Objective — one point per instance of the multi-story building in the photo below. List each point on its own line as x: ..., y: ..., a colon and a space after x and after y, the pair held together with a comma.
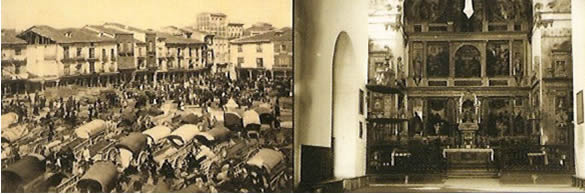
x: 125, y: 46
x: 235, y: 30
x: 258, y: 28
x: 13, y: 62
x: 255, y: 55
x: 145, y: 52
x: 283, y: 53
x: 216, y: 24
x: 180, y: 57
x: 68, y: 55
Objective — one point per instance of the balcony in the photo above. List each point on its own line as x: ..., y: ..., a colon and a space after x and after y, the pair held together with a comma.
x: 18, y: 60
x: 92, y: 59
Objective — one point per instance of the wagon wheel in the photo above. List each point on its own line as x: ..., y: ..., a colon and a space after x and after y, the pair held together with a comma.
x: 72, y: 188
x: 113, y: 154
x: 38, y: 148
x: 142, y: 157
x: 212, y: 170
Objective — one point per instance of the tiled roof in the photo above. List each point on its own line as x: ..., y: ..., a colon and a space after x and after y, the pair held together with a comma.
x: 107, y: 30
x: 9, y: 37
x: 172, y: 39
x: 68, y: 35
x: 122, y: 26
x: 267, y: 36
x: 285, y: 34
x: 260, y: 28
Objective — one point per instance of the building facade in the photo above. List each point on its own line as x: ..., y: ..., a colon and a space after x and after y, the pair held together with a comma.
x: 61, y: 56
x: 256, y: 55
x: 14, y: 70
x: 235, y: 30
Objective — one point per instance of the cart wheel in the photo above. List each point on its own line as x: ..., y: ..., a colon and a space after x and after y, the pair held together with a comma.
x: 112, y: 154
x: 70, y: 189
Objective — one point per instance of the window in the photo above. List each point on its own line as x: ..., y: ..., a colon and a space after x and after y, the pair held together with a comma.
x: 150, y: 46
x: 104, y: 55
x: 17, y: 69
x: 240, y: 61
x: 240, y: 48
x: 361, y: 106
x: 190, y: 52
x: 112, y: 56
x: 259, y: 48
x: 78, y: 52
x: 283, y: 47
x: 259, y: 62
x: 91, y: 67
x: 91, y: 53
x: 17, y: 52
x: 65, y: 52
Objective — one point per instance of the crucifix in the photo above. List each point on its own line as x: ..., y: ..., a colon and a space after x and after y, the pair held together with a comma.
x: 468, y: 8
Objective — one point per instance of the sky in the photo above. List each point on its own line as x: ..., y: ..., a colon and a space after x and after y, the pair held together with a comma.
x: 146, y: 14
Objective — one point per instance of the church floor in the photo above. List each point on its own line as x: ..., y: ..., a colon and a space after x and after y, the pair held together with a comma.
x: 467, y: 185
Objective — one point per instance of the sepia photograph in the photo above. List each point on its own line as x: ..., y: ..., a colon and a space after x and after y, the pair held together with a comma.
x: 131, y: 96
x: 439, y: 96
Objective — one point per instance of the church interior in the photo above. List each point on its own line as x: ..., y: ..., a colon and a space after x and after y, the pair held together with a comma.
x: 398, y: 92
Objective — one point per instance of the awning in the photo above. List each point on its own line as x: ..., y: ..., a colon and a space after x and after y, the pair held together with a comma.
x: 101, y: 177
x: 251, y: 117
x: 13, y: 134
x: 90, y: 129
x: 267, y: 158
x: 157, y: 133
x: 184, y: 134
x: 263, y: 110
x: 233, y: 121
x: 217, y: 133
x: 25, y: 170
x: 9, y: 119
x: 134, y: 142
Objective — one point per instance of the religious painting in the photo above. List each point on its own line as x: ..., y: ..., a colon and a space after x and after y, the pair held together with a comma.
x: 436, y: 117
x: 580, y: 107
x: 438, y: 60
x: 498, y: 118
x: 560, y: 64
x: 425, y: 10
x: 498, y: 58
x: 467, y: 62
x: 508, y: 10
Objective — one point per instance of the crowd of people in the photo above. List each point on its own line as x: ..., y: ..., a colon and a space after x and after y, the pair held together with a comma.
x: 131, y: 107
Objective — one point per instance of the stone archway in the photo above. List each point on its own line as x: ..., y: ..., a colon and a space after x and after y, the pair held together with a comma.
x: 342, y: 73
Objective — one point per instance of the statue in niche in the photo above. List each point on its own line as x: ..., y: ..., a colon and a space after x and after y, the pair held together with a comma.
x: 519, y: 124
x: 417, y: 66
x: 417, y: 125
x: 468, y: 112
x: 517, y: 64
x: 438, y: 61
